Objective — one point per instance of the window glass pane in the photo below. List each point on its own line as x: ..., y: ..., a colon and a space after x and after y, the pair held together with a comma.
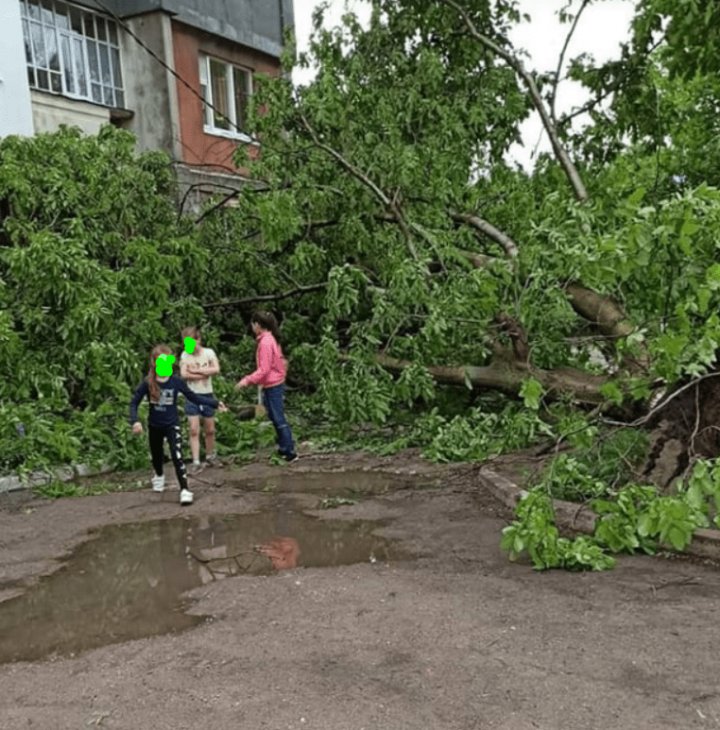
x: 34, y: 9
x: 105, y: 65
x: 52, y: 49
x: 242, y: 89
x: 97, y: 94
x: 79, y: 61
x: 91, y: 47
x: 76, y: 20
x: 42, y: 80
x: 56, y: 83
x: 112, y: 32
x: 89, y: 25
x: 31, y: 77
x: 119, y: 98
x: 38, y: 43
x: 67, y: 64
x: 108, y: 96
x: 100, y: 25
x: 117, y: 73
x: 61, y: 16
x: 219, y: 82
x: 28, y: 43
x: 46, y: 12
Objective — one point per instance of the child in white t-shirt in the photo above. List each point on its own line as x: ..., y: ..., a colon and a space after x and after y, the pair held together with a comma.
x: 197, y: 366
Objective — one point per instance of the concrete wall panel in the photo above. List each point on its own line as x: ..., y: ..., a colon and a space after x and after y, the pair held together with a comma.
x: 15, y: 110
x: 51, y: 110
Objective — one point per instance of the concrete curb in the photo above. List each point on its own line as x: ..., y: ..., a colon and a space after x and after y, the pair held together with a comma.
x: 15, y: 482
x: 572, y: 517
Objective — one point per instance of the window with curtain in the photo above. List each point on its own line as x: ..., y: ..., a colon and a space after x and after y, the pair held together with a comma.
x: 226, y: 90
x: 72, y: 51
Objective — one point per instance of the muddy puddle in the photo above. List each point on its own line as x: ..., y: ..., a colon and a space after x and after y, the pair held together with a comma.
x: 126, y: 581
x: 331, y: 484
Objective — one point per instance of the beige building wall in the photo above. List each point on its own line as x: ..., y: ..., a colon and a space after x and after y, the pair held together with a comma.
x: 15, y: 112
x: 52, y: 110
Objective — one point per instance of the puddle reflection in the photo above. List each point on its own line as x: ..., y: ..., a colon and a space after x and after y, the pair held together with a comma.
x: 125, y: 583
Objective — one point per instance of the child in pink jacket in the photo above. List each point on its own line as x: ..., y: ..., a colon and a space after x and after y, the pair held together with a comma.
x: 270, y: 376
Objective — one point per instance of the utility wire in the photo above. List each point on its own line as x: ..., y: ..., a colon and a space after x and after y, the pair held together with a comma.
x: 154, y: 55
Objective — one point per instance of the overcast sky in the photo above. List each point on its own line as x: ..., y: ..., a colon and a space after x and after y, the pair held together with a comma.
x: 602, y: 28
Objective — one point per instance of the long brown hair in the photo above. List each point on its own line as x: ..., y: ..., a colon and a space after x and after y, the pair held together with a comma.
x: 268, y: 322
x: 153, y: 384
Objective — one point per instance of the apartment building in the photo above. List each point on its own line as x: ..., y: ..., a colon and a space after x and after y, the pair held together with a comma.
x: 177, y: 73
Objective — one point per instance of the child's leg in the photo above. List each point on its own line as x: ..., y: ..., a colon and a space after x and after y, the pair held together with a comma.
x: 194, y: 425
x: 273, y: 398
x: 209, y: 426
x: 156, y: 437
x: 175, y: 441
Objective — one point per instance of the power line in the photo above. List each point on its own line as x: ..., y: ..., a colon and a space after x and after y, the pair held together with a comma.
x: 161, y: 61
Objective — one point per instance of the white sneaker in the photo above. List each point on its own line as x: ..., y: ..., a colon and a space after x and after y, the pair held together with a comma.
x: 186, y: 496
x: 158, y: 483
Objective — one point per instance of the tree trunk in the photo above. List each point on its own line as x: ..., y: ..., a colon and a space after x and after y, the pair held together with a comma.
x: 600, y: 310
x: 507, y: 377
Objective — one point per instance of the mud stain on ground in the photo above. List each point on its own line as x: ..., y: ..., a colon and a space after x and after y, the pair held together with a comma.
x: 330, y: 484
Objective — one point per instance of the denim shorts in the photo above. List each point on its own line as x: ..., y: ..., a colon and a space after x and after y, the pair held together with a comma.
x: 192, y: 410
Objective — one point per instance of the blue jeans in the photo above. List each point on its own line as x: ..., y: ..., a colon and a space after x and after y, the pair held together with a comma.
x: 273, y: 400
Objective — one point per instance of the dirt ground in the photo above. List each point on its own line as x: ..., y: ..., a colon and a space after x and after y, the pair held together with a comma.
x: 451, y: 637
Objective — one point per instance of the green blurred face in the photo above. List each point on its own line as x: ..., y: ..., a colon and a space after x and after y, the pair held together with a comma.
x: 163, y: 365
x: 190, y: 345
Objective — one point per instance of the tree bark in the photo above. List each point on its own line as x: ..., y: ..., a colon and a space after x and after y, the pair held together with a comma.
x: 528, y: 79
x: 600, y: 310
x: 489, y: 230
x: 507, y: 377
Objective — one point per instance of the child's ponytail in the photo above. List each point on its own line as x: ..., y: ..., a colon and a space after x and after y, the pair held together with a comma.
x: 268, y: 322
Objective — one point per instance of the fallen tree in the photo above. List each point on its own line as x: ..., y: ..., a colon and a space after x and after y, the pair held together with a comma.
x: 509, y: 377
x: 386, y: 221
x: 400, y: 142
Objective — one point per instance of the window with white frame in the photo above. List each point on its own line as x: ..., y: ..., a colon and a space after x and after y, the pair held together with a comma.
x: 72, y: 51
x: 226, y: 90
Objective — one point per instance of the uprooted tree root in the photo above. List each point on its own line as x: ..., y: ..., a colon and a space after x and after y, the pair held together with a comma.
x: 684, y: 430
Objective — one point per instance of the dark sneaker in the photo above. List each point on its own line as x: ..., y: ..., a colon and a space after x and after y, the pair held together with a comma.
x: 290, y: 458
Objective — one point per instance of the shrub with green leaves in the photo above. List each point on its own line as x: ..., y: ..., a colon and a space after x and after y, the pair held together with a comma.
x: 570, y: 479
x: 480, y: 435
x: 633, y: 519
x: 534, y: 532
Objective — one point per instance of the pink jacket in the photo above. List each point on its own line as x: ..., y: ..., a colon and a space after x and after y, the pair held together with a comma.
x: 271, y: 365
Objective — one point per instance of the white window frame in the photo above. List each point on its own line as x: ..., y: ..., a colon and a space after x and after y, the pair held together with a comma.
x: 112, y: 93
x: 207, y: 94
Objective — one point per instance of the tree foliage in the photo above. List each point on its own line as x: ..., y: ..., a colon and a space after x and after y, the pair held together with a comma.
x: 388, y: 227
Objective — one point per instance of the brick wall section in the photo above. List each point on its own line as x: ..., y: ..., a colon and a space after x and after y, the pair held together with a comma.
x: 199, y: 148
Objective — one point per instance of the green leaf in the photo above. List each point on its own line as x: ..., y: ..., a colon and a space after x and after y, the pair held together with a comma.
x: 531, y: 391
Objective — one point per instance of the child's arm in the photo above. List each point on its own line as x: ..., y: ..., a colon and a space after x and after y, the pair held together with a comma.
x: 139, y: 394
x: 212, y: 369
x: 264, y: 363
x: 197, y: 398
x: 186, y: 373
